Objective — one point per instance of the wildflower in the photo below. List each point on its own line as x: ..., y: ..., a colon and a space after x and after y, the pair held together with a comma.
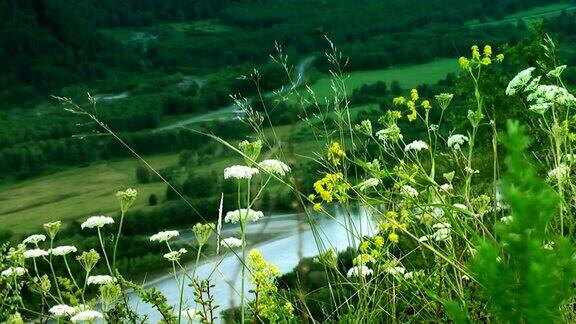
x: 251, y: 150
x: 487, y: 50
x: 332, y: 186
x: 449, y: 176
x: 533, y: 85
x: 414, y: 95
x: 276, y: 167
x: 34, y: 239
x: 443, y: 231
x: 164, y: 236
x: 63, y: 250
x: 87, y: 315
x: 317, y: 207
x: 519, y: 81
x: 174, y: 256
x: 99, y: 280
x: 14, y: 271
x: 395, y: 270
x: 126, y: 198
x: 455, y: 141
x: 553, y: 95
x: 35, y: 253
x: 409, y: 191
x: 423, y: 238
x: 203, y: 232
x: 365, y: 127
x: 475, y: 52
x: 243, y: 215
x: 549, y: 245
x: 444, y: 99
x: 368, y: 183
x: 413, y: 113
x: 378, y: 241
x: 409, y: 275
x: 399, y: 101
x: 362, y: 259
x: 426, y: 104
x: 416, y: 146
x: 393, y: 237
x: 240, y: 172
x: 446, y: 187
x: 359, y: 271
x: 52, y: 228
x: 464, y: 63
x: 556, y: 72
x: 539, y: 108
x: 392, y: 133
x: 88, y: 259
x: 231, y: 242
x: 499, y: 57
x: 335, y: 153
x: 560, y: 173
x: 62, y: 310
x: 97, y: 221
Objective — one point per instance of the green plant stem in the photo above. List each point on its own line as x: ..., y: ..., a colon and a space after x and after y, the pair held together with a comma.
x: 117, y: 239
x: 104, y: 251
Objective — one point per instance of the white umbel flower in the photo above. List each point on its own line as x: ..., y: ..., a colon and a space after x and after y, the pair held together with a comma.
x: 359, y: 271
x: 446, y: 187
x: 520, y: 81
x: 249, y: 215
x: 231, y: 242
x: 460, y: 206
x: 443, y: 231
x: 539, y: 108
x: 557, y: 71
x: 276, y: 167
x: 560, y: 173
x: 62, y: 310
x: 174, y: 256
x: 14, y: 271
x: 240, y: 172
x: 87, y: 315
x: 416, y: 146
x: 409, y: 275
x: 407, y: 190
x: 164, y: 236
x: 506, y: 219
x: 97, y: 221
x: 368, y: 183
x: 34, y: 239
x: 99, y: 280
x: 63, y: 250
x: 395, y: 270
x: 455, y: 141
x: 35, y: 253
x: 551, y: 94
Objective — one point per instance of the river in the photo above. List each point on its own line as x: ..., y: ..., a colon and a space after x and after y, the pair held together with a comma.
x: 294, y: 239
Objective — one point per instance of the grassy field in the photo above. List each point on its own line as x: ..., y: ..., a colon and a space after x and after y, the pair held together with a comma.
x: 408, y: 76
x: 75, y: 193
x: 535, y: 14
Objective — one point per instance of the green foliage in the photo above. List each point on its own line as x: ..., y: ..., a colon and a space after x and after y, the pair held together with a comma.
x: 523, y: 281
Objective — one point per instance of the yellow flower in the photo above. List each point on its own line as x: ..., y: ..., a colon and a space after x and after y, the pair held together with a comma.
x: 335, y: 153
x: 404, y: 213
x: 413, y: 113
x: 399, y: 101
x: 414, y: 95
x: 332, y: 186
x: 572, y: 137
x: 500, y: 57
x: 365, y: 246
x: 395, y: 114
x: 464, y: 63
x: 486, y: 61
x: 487, y: 50
x: 393, y: 237
x: 317, y: 207
x: 311, y: 197
x: 391, y: 214
x: 475, y: 52
x: 426, y: 104
x: 378, y: 241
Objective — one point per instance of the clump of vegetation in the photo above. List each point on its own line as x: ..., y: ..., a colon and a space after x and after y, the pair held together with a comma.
x: 417, y: 190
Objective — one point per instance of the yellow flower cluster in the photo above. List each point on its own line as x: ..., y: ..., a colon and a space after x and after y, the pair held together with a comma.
x: 478, y: 59
x: 412, y: 104
x: 373, y: 247
x: 330, y: 187
x: 335, y: 153
x: 392, y: 223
